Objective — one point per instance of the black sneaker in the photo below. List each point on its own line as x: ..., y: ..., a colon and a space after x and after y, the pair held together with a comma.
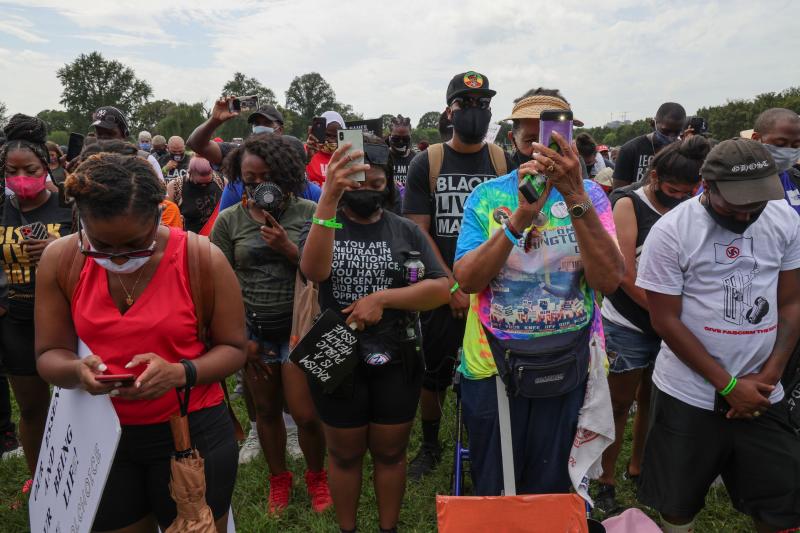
x: 426, y: 460
x: 606, y: 499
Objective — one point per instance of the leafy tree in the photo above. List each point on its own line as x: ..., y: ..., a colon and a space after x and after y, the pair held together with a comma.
x: 3, y: 114
x: 726, y: 121
x: 241, y: 85
x: 429, y: 120
x: 346, y: 110
x: 181, y: 120
x: 293, y: 124
x: 92, y: 81
x: 387, y: 123
x: 55, y: 119
x: 310, y: 95
x: 425, y: 134
x: 59, y: 137
x: 150, y: 114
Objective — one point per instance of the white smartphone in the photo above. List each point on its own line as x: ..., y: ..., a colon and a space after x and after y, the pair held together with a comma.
x: 356, y: 140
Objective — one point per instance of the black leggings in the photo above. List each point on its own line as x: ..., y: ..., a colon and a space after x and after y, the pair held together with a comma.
x: 138, y: 484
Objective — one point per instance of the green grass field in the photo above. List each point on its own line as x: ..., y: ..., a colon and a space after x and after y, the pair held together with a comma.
x: 418, y: 514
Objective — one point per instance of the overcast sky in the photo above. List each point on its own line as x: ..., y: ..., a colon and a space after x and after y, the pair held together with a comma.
x: 607, y: 57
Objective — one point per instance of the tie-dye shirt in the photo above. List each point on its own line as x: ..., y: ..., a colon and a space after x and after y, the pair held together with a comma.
x: 542, y: 292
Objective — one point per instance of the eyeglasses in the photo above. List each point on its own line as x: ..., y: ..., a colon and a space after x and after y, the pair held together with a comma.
x: 396, y: 139
x: 481, y: 102
x: 95, y: 254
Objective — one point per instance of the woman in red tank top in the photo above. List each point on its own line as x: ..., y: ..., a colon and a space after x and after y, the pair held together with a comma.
x: 133, y: 308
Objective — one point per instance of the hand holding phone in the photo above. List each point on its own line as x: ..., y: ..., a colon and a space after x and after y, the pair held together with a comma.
x: 239, y: 104
x: 551, y: 120
x: 318, y: 127
x: 75, y: 146
x: 36, y: 231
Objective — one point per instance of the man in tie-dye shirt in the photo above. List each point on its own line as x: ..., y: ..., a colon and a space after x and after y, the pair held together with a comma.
x: 532, y: 270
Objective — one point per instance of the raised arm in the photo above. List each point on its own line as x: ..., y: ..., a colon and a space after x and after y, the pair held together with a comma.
x: 200, y: 139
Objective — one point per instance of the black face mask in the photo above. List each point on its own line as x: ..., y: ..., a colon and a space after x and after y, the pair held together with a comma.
x: 728, y: 222
x: 399, y: 144
x: 669, y: 201
x: 471, y: 124
x: 365, y: 202
x: 520, y: 158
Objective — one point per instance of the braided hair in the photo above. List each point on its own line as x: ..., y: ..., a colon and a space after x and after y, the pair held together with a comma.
x: 108, y: 184
x: 24, y: 133
x: 400, y: 121
x: 286, y: 166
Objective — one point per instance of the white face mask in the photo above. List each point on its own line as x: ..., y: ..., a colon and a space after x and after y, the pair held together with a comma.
x: 128, y: 267
x: 262, y: 129
x: 785, y: 156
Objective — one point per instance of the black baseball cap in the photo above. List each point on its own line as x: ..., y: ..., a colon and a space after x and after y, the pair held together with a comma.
x: 468, y: 82
x: 744, y: 172
x: 268, y: 112
x: 109, y: 117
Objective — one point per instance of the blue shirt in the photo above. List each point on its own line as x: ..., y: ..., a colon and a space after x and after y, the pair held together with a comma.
x: 232, y: 194
x: 790, y: 189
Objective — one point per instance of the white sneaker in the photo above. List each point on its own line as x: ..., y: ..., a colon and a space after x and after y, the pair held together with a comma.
x: 292, y: 444
x: 251, y: 448
x: 16, y: 452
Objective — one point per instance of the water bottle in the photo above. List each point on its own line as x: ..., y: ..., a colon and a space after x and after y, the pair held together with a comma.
x: 414, y: 268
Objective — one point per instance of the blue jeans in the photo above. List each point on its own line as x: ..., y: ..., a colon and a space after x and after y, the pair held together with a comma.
x: 628, y: 349
x: 271, y: 352
x: 542, y: 431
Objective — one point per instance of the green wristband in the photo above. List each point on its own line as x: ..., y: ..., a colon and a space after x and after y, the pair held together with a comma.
x: 329, y: 223
x: 727, y: 390
x: 454, y: 288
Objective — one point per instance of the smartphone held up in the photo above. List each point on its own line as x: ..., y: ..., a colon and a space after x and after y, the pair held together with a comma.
x: 243, y: 104
x: 356, y: 140
x: 558, y: 120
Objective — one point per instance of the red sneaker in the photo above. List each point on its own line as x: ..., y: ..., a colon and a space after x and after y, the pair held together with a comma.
x: 280, y: 490
x: 317, y: 484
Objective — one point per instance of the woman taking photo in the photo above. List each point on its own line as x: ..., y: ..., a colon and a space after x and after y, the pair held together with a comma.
x: 132, y: 306
x: 32, y: 220
x: 353, y: 232
x: 631, y: 342
x: 259, y: 238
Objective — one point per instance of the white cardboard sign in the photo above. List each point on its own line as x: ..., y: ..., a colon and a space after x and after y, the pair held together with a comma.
x: 491, y: 133
x: 79, y: 444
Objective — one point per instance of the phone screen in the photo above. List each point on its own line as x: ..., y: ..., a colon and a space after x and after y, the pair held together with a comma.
x: 555, y: 120
x: 356, y: 139
x: 318, y: 126
x: 75, y: 146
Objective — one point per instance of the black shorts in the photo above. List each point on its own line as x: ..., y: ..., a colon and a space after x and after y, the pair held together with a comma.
x: 17, y: 356
x: 688, y: 447
x: 138, y: 484
x: 442, y: 336
x: 374, y: 394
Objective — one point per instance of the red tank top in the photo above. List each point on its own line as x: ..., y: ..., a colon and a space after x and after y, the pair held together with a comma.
x: 162, y: 321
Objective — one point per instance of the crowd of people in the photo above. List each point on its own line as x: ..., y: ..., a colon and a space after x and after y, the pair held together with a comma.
x: 673, y: 260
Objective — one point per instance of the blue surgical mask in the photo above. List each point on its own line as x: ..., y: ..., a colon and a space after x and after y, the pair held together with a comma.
x: 661, y: 139
x: 262, y: 129
x: 785, y: 156
x: 144, y: 146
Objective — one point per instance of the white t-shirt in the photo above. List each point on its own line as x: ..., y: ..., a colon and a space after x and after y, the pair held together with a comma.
x: 729, y: 288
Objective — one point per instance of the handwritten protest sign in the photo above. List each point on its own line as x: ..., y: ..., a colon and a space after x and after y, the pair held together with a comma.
x: 328, y: 353
x: 491, y: 133
x: 79, y: 444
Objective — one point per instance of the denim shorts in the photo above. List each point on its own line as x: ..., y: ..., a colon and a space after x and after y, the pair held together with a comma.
x: 271, y: 352
x: 628, y: 349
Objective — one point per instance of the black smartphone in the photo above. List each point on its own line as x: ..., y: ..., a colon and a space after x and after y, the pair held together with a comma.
x: 243, y: 103
x: 721, y: 405
x: 318, y: 127
x: 698, y: 124
x: 74, y: 146
x: 528, y: 190
x: 551, y: 120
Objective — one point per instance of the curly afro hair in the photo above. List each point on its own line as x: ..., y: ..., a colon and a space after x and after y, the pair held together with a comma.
x: 286, y: 166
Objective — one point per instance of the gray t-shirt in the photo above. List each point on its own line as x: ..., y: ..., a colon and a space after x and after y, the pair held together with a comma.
x: 728, y: 285
x: 266, y: 276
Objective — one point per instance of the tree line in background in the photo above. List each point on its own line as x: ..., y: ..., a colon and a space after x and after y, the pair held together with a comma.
x: 91, y: 81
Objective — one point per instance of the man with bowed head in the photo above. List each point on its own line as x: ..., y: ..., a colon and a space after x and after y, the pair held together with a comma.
x: 722, y: 269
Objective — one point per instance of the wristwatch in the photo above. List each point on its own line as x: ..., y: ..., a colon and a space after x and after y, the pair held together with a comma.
x: 578, y: 210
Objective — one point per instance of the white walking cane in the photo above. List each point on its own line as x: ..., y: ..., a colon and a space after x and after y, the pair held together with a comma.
x: 506, y: 449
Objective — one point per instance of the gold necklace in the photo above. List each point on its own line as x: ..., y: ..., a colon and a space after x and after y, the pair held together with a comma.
x: 129, y: 295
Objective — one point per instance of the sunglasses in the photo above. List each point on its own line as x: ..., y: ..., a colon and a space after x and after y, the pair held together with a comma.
x: 464, y: 102
x: 376, y: 154
x: 133, y: 254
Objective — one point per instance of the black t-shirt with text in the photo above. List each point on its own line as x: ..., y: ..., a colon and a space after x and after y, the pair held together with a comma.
x: 459, y: 176
x: 198, y: 202
x: 400, y: 165
x: 20, y: 272
x: 368, y: 258
x: 181, y: 171
x: 633, y: 159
